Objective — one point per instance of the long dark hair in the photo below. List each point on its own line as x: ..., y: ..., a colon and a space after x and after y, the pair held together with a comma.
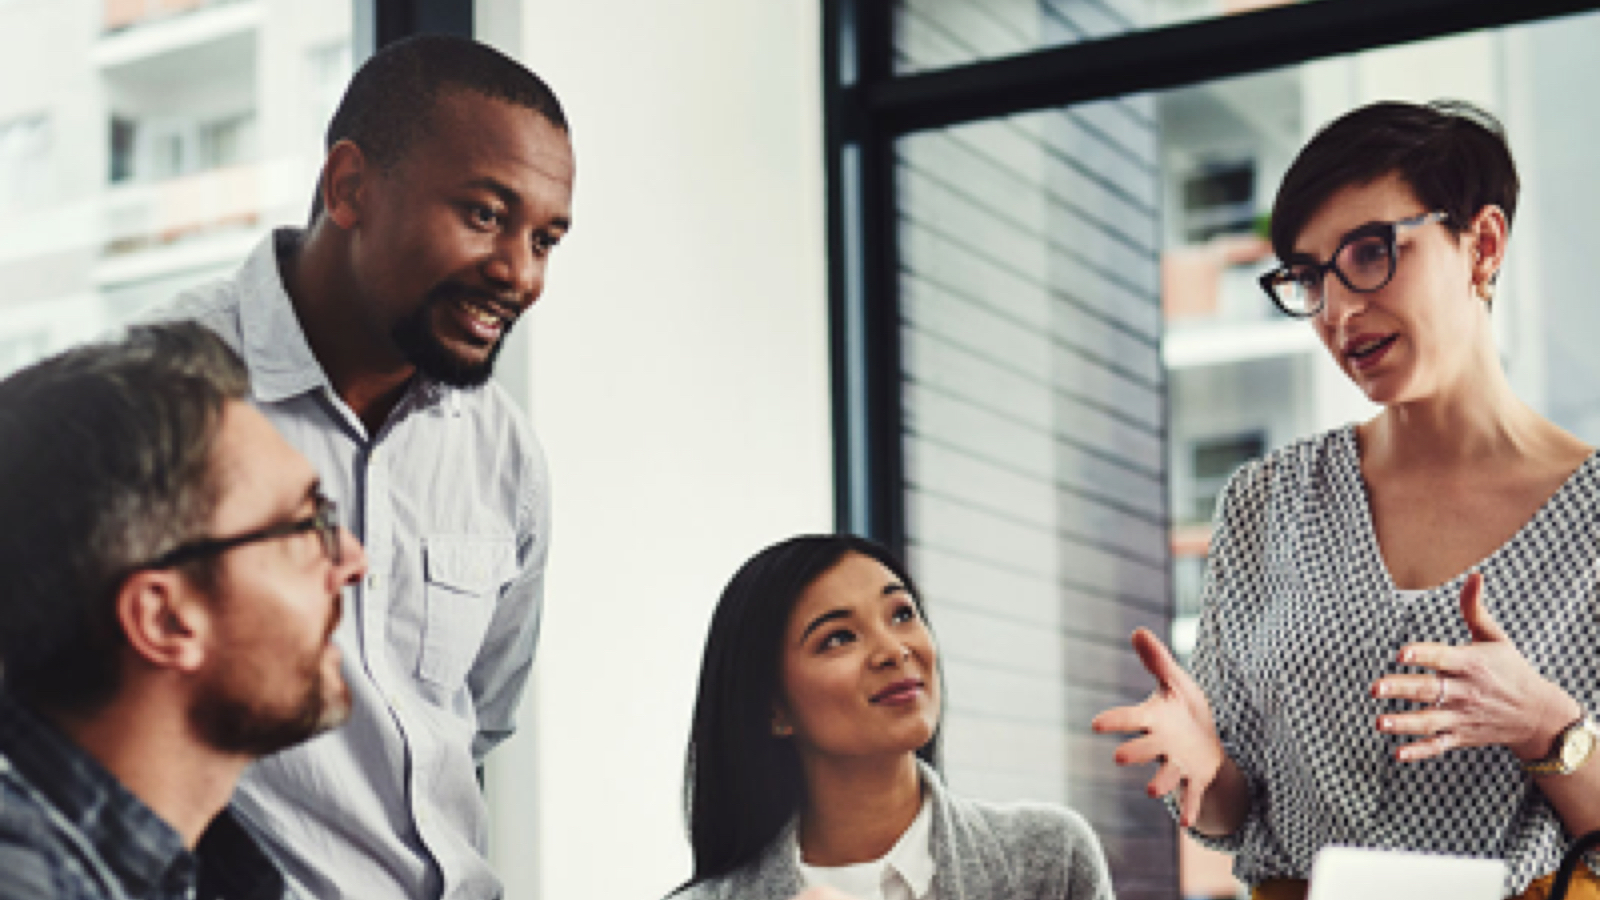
x: 742, y: 784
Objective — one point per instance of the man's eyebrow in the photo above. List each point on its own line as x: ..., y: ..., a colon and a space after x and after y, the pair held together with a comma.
x: 512, y: 199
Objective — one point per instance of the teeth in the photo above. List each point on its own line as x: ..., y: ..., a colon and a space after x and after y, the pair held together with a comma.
x: 1368, y: 347
x: 482, y: 317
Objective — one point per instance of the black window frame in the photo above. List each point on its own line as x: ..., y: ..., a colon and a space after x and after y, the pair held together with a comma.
x: 867, y: 107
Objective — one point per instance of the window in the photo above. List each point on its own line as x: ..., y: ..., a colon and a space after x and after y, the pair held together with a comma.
x: 1219, y: 198
x: 1212, y: 462
x: 226, y: 141
x: 25, y: 170
x: 124, y: 134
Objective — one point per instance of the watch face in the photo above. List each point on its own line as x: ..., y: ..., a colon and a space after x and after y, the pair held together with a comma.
x: 1576, y: 748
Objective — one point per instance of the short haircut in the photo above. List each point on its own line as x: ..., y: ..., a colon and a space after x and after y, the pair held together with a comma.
x: 1451, y: 154
x: 389, y: 103
x: 743, y: 784
x: 106, y: 462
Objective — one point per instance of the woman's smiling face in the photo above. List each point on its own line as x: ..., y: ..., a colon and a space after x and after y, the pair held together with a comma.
x: 858, y: 668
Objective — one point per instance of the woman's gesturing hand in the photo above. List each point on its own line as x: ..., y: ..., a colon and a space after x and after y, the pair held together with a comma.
x: 1483, y: 694
x: 1175, y: 728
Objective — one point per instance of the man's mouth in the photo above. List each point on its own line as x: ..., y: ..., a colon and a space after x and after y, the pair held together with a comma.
x: 484, y: 319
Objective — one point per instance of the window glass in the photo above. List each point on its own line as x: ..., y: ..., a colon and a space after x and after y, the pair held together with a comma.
x: 1034, y: 401
x: 935, y: 34
x: 162, y: 139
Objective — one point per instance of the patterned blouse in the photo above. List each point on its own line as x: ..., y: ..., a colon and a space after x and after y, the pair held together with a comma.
x: 1301, y: 617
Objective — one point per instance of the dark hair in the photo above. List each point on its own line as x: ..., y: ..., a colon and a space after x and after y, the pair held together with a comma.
x: 389, y: 103
x: 1452, y: 154
x: 105, y: 458
x: 742, y: 784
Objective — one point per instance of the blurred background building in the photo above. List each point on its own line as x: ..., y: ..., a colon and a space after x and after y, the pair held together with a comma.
x: 1023, y: 342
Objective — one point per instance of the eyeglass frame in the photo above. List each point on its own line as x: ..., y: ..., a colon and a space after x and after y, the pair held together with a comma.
x: 1390, y: 231
x: 324, y: 520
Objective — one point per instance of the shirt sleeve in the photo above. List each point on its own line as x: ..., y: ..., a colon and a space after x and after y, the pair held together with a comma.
x: 1239, y: 531
x: 500, y: 673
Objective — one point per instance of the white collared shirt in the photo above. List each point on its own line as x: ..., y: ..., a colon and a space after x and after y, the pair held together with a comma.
x: 450, y: 498
x: 904, y: 873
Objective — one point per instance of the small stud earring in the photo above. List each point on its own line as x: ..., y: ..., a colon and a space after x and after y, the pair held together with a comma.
x: 1486, y: 291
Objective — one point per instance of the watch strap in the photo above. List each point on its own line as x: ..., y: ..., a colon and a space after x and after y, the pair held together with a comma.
x: 1555, y: 762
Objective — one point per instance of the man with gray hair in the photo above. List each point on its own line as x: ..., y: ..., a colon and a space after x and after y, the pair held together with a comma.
x: 173, y: 580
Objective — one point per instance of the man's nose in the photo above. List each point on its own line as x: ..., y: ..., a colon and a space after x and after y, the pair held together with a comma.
x: 516, y: 268
x: 352, y: 565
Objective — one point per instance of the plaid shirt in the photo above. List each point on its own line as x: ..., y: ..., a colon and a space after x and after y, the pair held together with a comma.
x: 70, y: 831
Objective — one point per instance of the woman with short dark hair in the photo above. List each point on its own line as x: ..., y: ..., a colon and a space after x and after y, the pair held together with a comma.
x: 1398, y: 643
x: 814, y: 738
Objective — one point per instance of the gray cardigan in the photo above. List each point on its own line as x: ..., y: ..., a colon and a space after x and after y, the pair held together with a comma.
x: 981, y: 851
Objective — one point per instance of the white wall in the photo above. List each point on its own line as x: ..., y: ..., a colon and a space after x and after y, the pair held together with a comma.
x: 680, y: 384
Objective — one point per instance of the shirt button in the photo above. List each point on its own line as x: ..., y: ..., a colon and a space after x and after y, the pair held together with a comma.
x: 372, y: 581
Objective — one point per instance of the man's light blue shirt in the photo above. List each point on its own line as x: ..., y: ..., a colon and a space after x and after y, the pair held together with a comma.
x: 451, y: 500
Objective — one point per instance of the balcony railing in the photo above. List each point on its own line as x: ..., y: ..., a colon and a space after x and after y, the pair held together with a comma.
x: 147, y: 215
x: 120, y: 14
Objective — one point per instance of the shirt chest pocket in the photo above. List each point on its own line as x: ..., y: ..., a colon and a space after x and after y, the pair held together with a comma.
x: 465, y: 574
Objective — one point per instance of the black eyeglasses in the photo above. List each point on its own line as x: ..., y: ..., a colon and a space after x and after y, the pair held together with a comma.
x: 1364, y: 261
x: 324, y: 520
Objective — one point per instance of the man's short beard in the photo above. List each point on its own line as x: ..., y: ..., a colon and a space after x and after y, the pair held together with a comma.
x: 420, y: 345
x: 227, y: 718
x: 230, y: 723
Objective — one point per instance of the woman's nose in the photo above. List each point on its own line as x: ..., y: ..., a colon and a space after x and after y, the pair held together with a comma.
x: 893, y: 653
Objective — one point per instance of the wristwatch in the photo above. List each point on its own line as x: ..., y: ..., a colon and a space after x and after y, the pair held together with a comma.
x: 1571, y: 749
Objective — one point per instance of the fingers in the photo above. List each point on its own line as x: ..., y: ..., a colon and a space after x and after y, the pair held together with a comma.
x: 1139, y: 751
x: 1476, y: 612
x: 1439, y: 657
x: 1189, y: 807
x: 1191, y: 792
x: 1119, y: 720
x: 1167, y: 779
x: 1428, y: 721
x: 1416, y: 688
x: 1157, y: 659
x: 1428, y: 748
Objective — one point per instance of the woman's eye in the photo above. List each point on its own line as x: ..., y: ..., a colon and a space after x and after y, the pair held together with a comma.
x: 482, y: 216
x: 1303, y: 277
x: 906, y: 613
x: 1366, y: 253
x: 836, y: 639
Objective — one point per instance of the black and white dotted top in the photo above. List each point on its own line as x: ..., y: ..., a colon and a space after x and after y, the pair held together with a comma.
x: 1301, y: 617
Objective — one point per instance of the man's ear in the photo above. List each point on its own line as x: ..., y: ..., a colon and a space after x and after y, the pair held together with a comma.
x: 166, y: 622
x: 345, y: 174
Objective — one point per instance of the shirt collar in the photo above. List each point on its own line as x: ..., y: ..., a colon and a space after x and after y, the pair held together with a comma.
x: 271, y: 341
x: 135, y: 843
x: 911, y: 857
x: 273, y: 344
